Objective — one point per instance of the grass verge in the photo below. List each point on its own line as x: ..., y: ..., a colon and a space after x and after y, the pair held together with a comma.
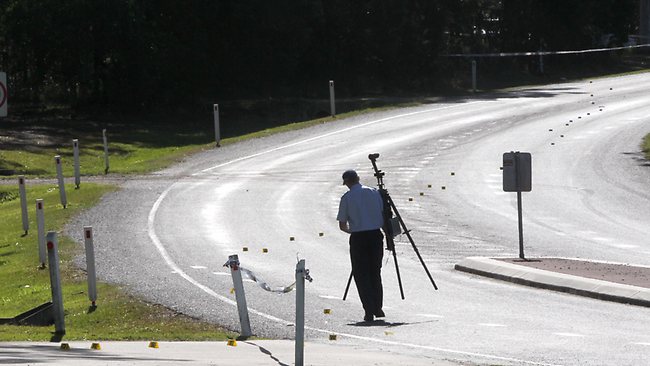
x: 117, y: 317
x: 646, y: 146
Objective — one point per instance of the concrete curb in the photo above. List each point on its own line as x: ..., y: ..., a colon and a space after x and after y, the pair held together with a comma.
x: 581, y: 286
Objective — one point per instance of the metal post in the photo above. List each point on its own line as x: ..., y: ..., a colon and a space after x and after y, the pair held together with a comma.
x: 332, y: 99
x: 23, y: 202
x: 90, y: 264
x: 541, y: 63
x: 40, y: 224
x: 75, y: 153
x: 217, y: 126
x: 233, y: 263
x: 55, y: 282
x: 474, y: 76
x: 106, y: 166
x: 519, y: 214
x: 59, y: 176
x: 300, y: 313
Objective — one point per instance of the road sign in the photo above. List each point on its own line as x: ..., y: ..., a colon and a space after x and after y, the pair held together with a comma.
x: 3, y: 94
x: 517, y: 172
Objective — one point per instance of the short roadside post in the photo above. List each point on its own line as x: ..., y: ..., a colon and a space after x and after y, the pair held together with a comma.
x: 300, y: 313
x: 75, y: 153
x: 59, y: 176
x: 240, y: 296
x: 332, y: 99
x: 55, y: 282
x: 40, y: 224
x: 217, y: 126
x: 106, y: 165
x: 474, y: 76
x: 90, y: 264
x: 23, y: 203
x: 517, y: 177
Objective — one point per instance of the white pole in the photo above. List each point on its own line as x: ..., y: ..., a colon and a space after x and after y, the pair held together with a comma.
x: 59, y: 176
x: 40, y: 223
x: 300, y: 313
x: 474, y: 76
x: 55, y: 282
x: 332, y: 99
x: 106, y: 166
x: 23, y: 202
x: 217, y: 127
x: 90, y: 264
x: 238, y: 284
x: 75, y: 152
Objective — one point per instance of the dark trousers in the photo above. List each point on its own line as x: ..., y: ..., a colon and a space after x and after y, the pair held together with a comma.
x: 366, y: 253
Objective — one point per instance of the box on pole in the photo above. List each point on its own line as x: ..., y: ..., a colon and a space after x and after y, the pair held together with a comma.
x: 90, y: 264
x: 332, y: 99
x: 40, y: 224
x: 55, y: 282
x: 75, y: 153
x: 23, y: 203
x: 3, y: 95
x: 106, y: 166
x: 59, y: 176
x: 517, y: 177
x: 217, y: 126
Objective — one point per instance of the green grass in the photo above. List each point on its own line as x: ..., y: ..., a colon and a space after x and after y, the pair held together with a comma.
x: 646, y: 146
x: 117, y: 317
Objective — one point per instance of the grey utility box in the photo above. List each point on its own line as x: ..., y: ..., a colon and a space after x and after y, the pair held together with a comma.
x: 517, y: 172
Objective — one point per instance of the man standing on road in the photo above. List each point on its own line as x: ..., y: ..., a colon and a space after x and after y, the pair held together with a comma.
x: 360, y: 215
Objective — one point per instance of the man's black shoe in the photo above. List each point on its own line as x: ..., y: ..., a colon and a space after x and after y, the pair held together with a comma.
x: 380, y: 314
x: 368, y: 318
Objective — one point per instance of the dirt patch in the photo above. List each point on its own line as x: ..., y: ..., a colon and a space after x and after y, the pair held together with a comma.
x: 612, y: 272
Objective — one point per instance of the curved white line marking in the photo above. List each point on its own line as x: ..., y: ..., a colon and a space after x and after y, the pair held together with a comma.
x: 171, y: 264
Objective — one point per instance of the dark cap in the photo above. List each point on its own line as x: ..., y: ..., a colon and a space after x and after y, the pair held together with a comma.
x: 349, y: 175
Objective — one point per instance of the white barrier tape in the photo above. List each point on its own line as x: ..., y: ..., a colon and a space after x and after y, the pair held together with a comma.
x: 265, y: 286
x: 544, y: 53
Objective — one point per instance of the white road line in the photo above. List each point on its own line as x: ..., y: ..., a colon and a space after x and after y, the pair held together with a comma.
x: 641, y: 344
x: 199, y: 267
x: 329, y: 297
x: 569, y: 335
x: 430, y: 315
x: 221, y: 274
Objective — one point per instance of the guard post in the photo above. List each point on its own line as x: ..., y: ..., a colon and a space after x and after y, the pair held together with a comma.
x: 90, y: 264
x: 75, y: 153
x: 332, y: 99
x: 517, y: 177
x: 238, y: 284
x: 23, y: 202
x: 59, y: 176
x: 301, y: 273
x: 55, y: 282
x: 40, y: 225
x: 217, y: 126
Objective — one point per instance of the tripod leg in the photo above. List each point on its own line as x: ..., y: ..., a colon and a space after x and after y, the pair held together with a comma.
x: 399, y: 278
x: 408, y: 235
x: 347, y: 287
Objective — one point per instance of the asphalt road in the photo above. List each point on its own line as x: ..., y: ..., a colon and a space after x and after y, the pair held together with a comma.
x: 167, y: 236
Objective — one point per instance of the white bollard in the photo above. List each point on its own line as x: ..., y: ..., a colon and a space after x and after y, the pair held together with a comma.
x: 75, y: 153
x: 55, y: 282
x: 238, y: 284
x: 474, y: 76
x: 106, y: 166
x: 300, y: 313
x: 90, y: 264
x: 217, y: 126
x: 332, y: 99
x: 23, y: 202
x: 40, y: 224
x: 59, y: 176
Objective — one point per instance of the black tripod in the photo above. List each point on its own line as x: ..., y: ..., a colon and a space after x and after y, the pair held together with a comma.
x: 392, y: 228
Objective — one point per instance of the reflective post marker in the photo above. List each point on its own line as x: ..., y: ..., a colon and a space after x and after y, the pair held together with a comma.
x: 474, y: 76
x: 300, y: 313
x: 238, y: 284
x: 40, y: 224
x: 55, y: 282
x: 23, y: 202
x: 332, y: 99
x: 90, y: 264
x: 75, y: 153
x: 59, y: 176
x: 105, y: 151
x: 217, y: 127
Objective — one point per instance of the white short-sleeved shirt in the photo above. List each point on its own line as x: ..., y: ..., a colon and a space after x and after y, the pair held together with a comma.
x: 362, y: 208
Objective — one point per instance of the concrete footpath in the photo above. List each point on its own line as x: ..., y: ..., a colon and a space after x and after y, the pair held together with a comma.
x: 251, y: 352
